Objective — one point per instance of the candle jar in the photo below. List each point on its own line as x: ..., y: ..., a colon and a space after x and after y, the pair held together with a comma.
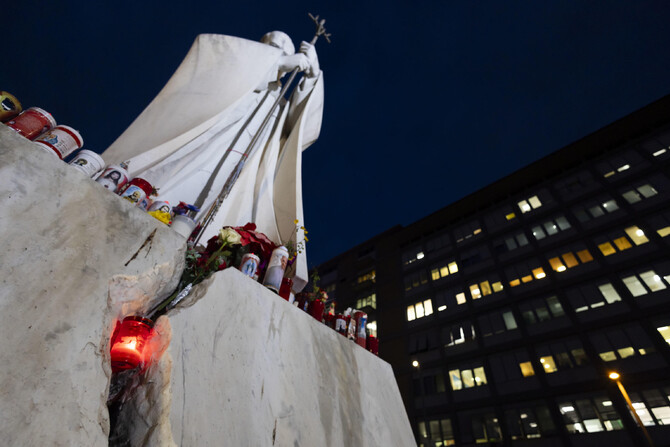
x: 285, y: 289
x: 316, y: 309
x: 129, y: 344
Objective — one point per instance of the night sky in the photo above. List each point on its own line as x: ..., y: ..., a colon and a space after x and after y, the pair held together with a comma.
x: 426, y: 101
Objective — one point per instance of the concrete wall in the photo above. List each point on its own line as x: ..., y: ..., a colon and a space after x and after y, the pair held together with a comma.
x: 243, y: 368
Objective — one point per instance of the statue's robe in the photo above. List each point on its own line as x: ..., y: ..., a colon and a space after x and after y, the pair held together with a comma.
x: 220, y: 93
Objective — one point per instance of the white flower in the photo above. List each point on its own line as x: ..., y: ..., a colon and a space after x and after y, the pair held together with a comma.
x: 230, y: 236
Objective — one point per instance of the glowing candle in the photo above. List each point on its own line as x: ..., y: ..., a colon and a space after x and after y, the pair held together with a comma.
x: 129, y: 345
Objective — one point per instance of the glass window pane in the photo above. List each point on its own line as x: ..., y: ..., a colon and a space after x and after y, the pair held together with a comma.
x: 444, y: 271
x: 647, y: 191
x: 665, y: 333
x: 527, y: 369
x: 570, y: 259
x: 626, y: 352
x: 562, y: 223
x: 521, y: 239
x: 607, y: 356
x: 609, y: 293
x: 606, y: 249
x: 528, y: 317
x: 410, y: 313
x: 455, y: 378
x: 497, y: 286
x: 538, y: 273
x: 579, y: 356
x: 551, y: 228
x: 468, y: 378
x: 485, y: 287
x: 596, y: 211
x: 622, y: 243
x: 460, y: 298
x: 535, y: 202
x: 538, y: 233
x: 652, y: 280
x: 555, y: 306
x: 548, y: 364
x: 475, y: 292
x: 634, y: 286
x: 453, y: 267
x: 435, y: 274
x: 511, y: 244
x: 510, y: 322
x: 523, y: 206
x: 610, y: 206
x: 631, y: 196
x: 419, y: 310
x: 637, y: 235
x: 581, y: 215
x: 584, y: 256
x: 542, y: 313
x: 480, y: 377
x: 428, y: 307
x: 557, y: 265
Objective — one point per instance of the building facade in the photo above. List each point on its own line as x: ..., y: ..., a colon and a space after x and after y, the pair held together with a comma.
x: 503, y: 313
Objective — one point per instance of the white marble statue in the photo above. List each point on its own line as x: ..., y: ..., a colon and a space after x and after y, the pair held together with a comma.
x: 192, y: 135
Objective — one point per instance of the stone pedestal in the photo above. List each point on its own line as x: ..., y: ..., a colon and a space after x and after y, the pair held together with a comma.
x: 244, y: 368
x: 66, y: 242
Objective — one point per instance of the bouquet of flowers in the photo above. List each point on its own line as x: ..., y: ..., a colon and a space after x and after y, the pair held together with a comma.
x: 224, y: 250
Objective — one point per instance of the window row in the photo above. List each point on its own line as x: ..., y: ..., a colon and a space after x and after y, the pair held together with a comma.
x: 368, y: 301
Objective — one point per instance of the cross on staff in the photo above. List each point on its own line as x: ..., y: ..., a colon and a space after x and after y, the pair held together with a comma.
x: 232, y: 178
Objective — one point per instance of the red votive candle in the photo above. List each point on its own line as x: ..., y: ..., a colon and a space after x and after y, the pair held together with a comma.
x: 373, y: 345
x: 130, y: 342
x: 316, y: 309
x: 285, y: 288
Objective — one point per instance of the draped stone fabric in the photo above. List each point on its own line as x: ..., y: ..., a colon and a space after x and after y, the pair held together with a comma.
x: 192, y: 135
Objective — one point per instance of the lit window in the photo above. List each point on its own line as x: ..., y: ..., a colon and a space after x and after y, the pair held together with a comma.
x: 538, y: 233
x: 636, y: 235
x: 631, y: 196
x: 527, y: 278
x: 622, y: 243
x: 570, y: 259
x: 435, y: 274
x: 428, y: 307
x: 623, y: 168
x: 548, y: 364
x: 607, y: 356
x: 663, y: 232
x: 524, y: 206
x: 665, y: 333
x: 647, y: 191
x: 652, y: 280
x: 606, y: 249
x: 584, y: 256
x: 411, y: 316
x: 485, y: 287
x: 441, y: 308
x: 514, y: 283
x: 510, y: 216
x: 627, y: 352
x: 557, y: 265
x: 609, y: 293
x: 453, y: 267
x: 527, y: 369
x: 455, y: 378
x: 659, y: 152
x: 419, y: 255
x: 419, y: 310
x: 497, y: 286
x: 480, y: 377
x: 609, y: 174
x: 475, y: 292
x: 539, y: 273
x: 444, y: 271
x: 508, y: 319
x: 634, y: 286
x: 535, y: 202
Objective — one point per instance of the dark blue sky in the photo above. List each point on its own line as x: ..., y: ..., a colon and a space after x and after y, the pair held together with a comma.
x: 426, y: 101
